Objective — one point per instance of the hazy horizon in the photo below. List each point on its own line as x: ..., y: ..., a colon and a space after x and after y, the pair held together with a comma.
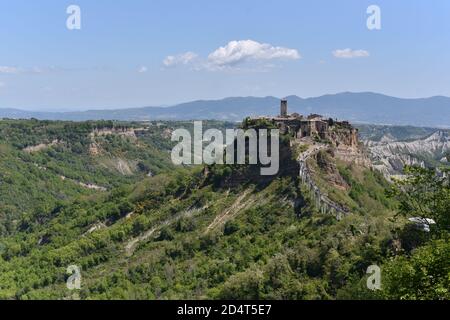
x: 101, y: 108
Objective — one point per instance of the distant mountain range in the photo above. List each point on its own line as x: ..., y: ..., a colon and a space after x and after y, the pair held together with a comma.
x: 365, y: 107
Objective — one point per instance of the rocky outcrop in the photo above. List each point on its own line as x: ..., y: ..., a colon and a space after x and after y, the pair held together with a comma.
x: 40, y: 147
x: 122, y: 131
x: 324, y: 160
x: 132, y: 133
x: 321, y: 201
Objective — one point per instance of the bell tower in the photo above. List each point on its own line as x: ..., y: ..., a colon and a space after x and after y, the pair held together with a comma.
x: 284, y: 108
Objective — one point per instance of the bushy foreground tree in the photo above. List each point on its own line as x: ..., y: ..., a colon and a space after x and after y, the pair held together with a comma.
x: 425, y: 272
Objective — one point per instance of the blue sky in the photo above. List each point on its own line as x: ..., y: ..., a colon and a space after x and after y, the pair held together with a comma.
x: 119, y: 58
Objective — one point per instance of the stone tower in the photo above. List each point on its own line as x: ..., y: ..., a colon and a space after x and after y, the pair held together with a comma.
x: 284, y: 108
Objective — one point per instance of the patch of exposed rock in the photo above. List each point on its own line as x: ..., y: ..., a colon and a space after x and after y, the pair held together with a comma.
x: 40, y: 147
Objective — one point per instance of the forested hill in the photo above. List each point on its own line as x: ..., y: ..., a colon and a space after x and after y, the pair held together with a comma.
x: 103, y: 196
x: 45, y: 163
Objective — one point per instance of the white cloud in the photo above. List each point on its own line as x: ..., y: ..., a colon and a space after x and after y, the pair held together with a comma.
x: 237, y: 52
x: 234, y: 54
x: 181, y: 59
x: 9, y: 70
x: 349, y: 53
x: 142, y: 69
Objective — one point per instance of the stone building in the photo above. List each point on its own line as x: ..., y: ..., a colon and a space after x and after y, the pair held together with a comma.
x: 314, y: 126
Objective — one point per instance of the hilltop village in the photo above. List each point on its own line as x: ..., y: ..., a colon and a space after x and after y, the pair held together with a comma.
x: 315, y: 128
x: 313, y: 135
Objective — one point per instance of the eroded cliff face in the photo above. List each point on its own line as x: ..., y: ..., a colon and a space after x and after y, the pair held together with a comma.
x: 347, y: 146
x: 325, y: 161
x: 346, y: 137
x: 390, y: 156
